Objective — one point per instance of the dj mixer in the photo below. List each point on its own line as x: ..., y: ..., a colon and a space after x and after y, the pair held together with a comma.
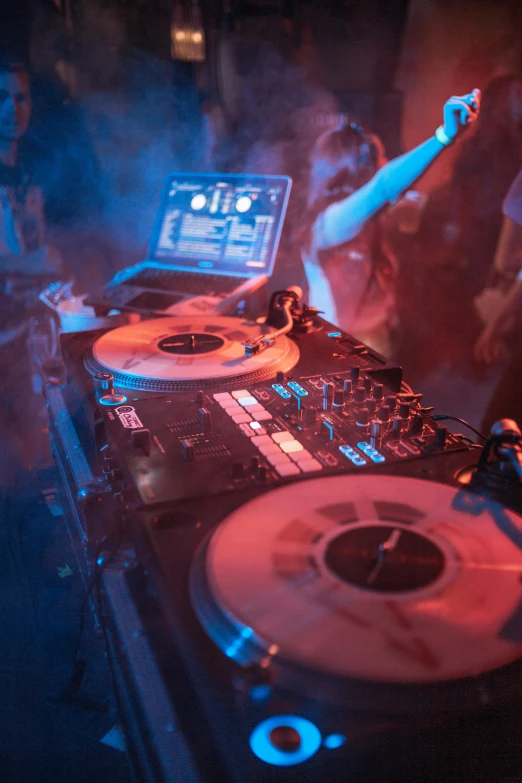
x: 303, y: 576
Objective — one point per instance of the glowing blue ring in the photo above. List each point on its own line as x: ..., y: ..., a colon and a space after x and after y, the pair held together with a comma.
x: 262, y: 746
x: 119, y: 402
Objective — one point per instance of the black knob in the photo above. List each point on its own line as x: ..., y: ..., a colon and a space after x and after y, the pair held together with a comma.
x: 359, y: 395
x: 371, y: 404
x: 200, y: 397
x: 404, y: 410
x: 417, y: 423
x: 280, y: 377
x: 238, y: 470
x: 187, y: 450
x: 391, y: 401
x: 441, y: 434
x: 384, y: 413
x: 310, y: 416
x: 363, y: 417
x: 347, y: 388
x: 261, y: 473
x: 378, y: 391
x: 328, y: 389
x: 254, y: 463
x: 354, y: 373
x: 205, y: 418
x: 338, y: 398
x: 368, y: 383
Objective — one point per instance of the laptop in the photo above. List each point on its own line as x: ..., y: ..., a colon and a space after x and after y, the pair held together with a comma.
x: 213, y: 244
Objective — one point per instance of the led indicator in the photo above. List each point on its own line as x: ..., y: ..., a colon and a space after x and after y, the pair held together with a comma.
x: 333, y: 741
x: 264, y: 748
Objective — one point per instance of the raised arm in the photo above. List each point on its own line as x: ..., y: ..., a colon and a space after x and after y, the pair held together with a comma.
x: 343, y: 220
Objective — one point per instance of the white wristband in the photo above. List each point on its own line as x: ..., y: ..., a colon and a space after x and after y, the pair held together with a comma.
x: 442, y: 136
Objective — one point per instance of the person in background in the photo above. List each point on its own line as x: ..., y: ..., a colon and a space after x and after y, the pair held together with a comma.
x: 504, y: 319
x: 349, y: 265
x: 27, y: 261
x: 24, y: 254
x: 482, y: 174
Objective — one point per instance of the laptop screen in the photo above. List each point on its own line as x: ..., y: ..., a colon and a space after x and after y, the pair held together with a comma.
x: 220, y: 223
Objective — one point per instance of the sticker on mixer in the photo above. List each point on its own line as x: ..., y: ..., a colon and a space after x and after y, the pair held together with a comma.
x: 129, y: 417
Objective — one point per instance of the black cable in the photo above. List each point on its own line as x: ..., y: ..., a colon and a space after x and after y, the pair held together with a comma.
x: 445, y: 416
x: 78, y: 666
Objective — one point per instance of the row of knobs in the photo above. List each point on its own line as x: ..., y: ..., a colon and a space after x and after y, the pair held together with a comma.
x: 376, y: 414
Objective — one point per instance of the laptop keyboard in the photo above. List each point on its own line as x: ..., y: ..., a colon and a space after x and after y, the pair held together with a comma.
x: 191, y: 283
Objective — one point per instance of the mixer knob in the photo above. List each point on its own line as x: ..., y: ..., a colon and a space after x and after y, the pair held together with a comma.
x: 103, y: 384
x: 376, y: 429
x: 261, y: 474
x: 310, y: 416
x: 354, y: 373
x: 280, y: 377
x: 347, y: 388
x: 384, y: 413
x: 187, y: 450
x: 441, y: 434
x: 328, y: 389
x: 368, y: 383
x: 378, y: 391
x: 417, y: 423
x: 391, y: 401
x: 404, y: 410
x: 254, y: 464
x: 363, y: 417
x: 205, y: 419
x: 200, y: 398
x: 396, y: 428
x: 359, y: 395
x: 371, y: 404
x: 338, y: 398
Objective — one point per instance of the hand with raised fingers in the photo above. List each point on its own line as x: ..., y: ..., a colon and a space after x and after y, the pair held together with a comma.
x: 460, y: 112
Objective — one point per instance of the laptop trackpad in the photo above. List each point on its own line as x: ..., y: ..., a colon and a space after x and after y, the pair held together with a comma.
x: 152, y: 300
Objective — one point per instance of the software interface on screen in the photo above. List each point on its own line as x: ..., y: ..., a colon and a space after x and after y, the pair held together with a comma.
x: 221, y: 225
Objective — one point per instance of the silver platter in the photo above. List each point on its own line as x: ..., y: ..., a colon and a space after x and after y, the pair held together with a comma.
x: 385, y: 580
x: 186, y: 354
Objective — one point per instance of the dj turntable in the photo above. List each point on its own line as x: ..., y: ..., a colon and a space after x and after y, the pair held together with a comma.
x: 302, y: 589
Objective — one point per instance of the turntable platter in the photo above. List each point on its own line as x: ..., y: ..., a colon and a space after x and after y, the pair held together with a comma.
x: 381, y: 579
x: 178, y: 354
